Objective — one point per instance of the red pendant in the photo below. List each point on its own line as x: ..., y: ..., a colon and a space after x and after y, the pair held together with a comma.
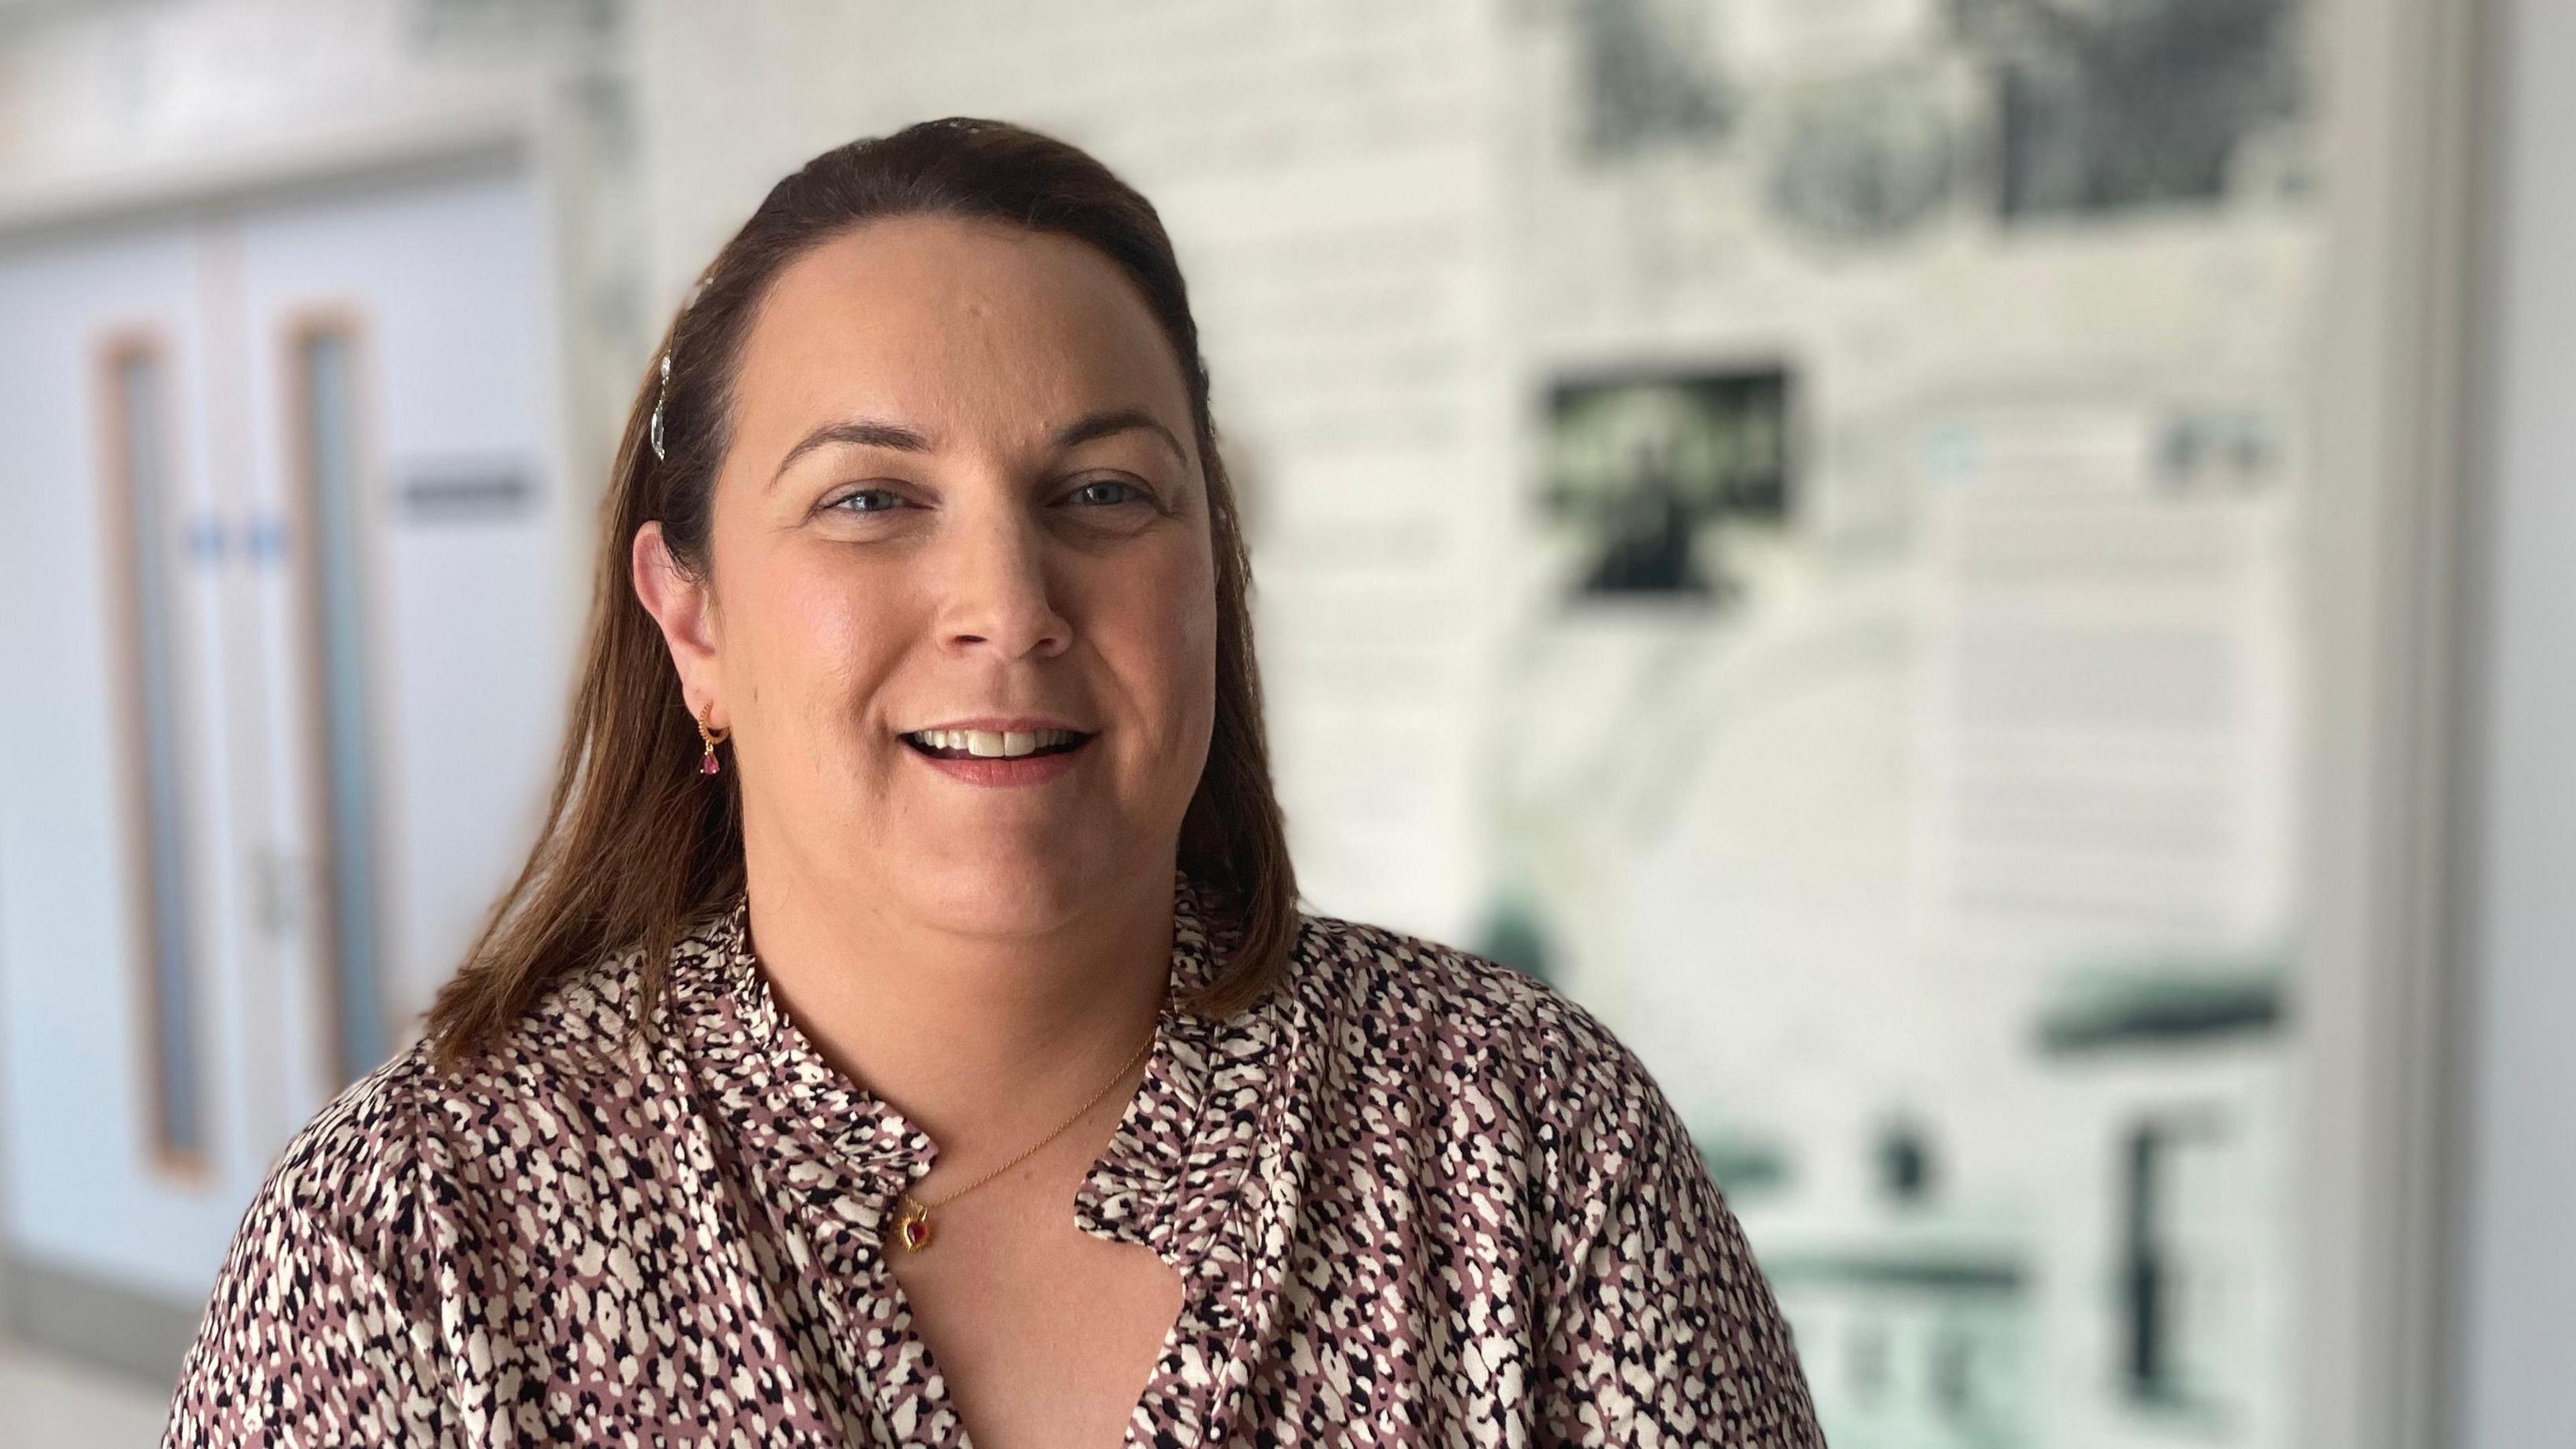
x: 912, y: 1229
x: 707, y: 763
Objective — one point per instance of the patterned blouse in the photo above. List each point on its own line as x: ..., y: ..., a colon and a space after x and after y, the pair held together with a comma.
x: 1414, y: 1197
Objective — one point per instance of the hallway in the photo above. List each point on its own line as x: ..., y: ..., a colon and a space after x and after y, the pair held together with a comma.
x: 52, y: 1403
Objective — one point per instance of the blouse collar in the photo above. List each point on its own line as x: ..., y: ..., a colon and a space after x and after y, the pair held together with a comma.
x: 840, y: 1154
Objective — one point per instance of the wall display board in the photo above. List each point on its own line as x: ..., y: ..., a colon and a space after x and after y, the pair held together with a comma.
x: 1897, y: 738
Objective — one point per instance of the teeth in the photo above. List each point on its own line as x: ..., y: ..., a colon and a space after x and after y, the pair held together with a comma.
x: 995, y: 744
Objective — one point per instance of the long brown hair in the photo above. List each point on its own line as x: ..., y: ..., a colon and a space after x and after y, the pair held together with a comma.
x: 636, y: 844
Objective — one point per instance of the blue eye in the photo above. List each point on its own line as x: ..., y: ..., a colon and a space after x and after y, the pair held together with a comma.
x: 1117, y: 483
x: 847, y: 501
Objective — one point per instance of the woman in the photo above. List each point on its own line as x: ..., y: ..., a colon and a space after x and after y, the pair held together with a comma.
x: 904, y: 1027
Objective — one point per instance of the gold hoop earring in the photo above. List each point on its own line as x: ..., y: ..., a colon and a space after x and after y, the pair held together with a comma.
x: 707, y: 762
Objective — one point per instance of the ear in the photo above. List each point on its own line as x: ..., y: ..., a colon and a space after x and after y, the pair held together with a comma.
x: 685, y: 609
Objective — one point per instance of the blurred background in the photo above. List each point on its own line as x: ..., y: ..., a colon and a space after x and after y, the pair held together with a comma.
x: 1987, y: 580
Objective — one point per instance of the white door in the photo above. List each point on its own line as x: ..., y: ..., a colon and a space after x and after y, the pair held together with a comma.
x: 288, y: 609
x: 122, y: 966
x: 424, y: 608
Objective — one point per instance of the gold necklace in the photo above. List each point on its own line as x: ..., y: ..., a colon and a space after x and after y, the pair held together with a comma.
x: 912, y: 1217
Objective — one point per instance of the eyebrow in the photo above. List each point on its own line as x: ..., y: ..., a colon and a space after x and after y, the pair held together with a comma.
x: 865, y: 432
x: 1118, y: 420
x: 871, y: 433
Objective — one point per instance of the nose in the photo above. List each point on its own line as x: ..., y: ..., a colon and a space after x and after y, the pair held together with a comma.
x: 995, y: 590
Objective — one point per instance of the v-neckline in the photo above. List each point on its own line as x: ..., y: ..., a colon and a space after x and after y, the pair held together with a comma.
x: 1171, y: 1178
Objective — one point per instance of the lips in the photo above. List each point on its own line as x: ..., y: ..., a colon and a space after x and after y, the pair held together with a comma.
x: 1001, y: 758
x: 995, y: 744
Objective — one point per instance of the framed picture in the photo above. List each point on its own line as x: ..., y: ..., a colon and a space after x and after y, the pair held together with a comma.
x: 1644, y: 466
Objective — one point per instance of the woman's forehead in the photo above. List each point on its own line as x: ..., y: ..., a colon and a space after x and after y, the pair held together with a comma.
x: 939, y: 314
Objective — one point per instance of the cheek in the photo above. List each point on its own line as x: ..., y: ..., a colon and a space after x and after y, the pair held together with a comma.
x: 1184, y: 628
x: 1199, y: 643
x: 813, y: 634
x: 1153, y: 626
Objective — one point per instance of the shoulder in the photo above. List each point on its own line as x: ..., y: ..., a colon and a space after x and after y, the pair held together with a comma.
x: 322, y: 1324
x: 1441, y: 1017
x: 409, y: 1132
x: 324, y: 1283
x: 351, y: 1175
x: 1449, y: 1007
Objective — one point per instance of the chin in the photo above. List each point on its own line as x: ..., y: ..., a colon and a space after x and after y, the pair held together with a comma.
x: 1002, y: 892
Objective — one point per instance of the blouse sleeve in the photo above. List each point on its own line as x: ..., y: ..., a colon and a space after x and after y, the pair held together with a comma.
x: 308, y: 1340
x: 1664, y: 1330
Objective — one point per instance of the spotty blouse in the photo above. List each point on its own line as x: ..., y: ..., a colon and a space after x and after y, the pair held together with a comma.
x: 1414, y: 1197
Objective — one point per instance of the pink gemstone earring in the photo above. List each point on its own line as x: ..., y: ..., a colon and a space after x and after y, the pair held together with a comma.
x: 707, y: 762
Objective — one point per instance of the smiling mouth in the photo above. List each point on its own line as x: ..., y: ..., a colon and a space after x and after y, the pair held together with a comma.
x: 995, y: 744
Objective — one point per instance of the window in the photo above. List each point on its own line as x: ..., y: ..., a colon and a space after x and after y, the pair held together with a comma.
x: 141, y: 506
x: 336, y: 604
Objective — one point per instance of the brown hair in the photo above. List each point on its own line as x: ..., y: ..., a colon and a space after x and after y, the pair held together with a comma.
x: 635, y: 843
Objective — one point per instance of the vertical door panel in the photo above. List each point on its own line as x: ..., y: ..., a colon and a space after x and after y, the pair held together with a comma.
x: 404, y: 389
x: 286, y: 642
x: 120, y: 889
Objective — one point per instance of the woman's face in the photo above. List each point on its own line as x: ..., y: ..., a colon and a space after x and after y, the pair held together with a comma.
x: 961, y: 614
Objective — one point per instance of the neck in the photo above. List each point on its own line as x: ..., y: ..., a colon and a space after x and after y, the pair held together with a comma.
x: 980, y: 1041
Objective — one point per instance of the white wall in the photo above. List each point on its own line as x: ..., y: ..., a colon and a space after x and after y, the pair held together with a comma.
x: 2520, y: 1214
x: 1327, y: 171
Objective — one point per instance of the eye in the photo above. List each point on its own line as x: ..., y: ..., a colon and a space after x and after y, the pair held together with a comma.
x: 1101, y: 492
x: 868, y: 500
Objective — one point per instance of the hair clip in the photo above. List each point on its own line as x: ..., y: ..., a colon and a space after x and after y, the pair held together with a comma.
x: 664, y: 395
x: 658, y: 399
